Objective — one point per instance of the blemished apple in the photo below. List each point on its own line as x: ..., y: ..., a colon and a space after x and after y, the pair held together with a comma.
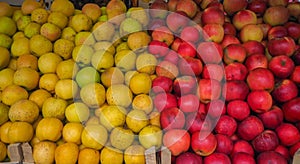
x: 189, y: 157
x: 254, y: 47
x: 235, y: 90
x: 285, y: 90
x: 256, y: 60
x: 260, y: 101
x: 250, y: 127
x: 203, y: 143
x: 266, y: 141
x: 188, y: 103
x: 177, y: 141
x: 183, y: 85
x: 226, y: 125
x: 162, y: 84
x: 217, y: 158
x: 164, y: 100
x: 238, y: 109
x: 291, y: 110
x: 225, y: 144
x: 235, y: 71
x: 197, y: 122
x: 272, y: 118
x: 212, y: 15
x: 172, y: 118
x: 281, y: 66
x: 260, y: 79
x: 213, y: 71
x: 229, y: 39
x: 270, y: 157
x: 288, y: 134
x: 242, y: 146
x: 158, y: 48
x: 242, y: 157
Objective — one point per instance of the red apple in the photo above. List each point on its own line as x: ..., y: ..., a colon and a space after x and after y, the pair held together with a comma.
x: 295, y: 76
x: 294, y: 148
x: 212, y: 15
x: 213, y: 32
x: 254, y: 47
x: 272, y: 118
x: 257, y: 6
x: 233, y: 6
x: 242, y: 158
x: 277, y: 32
x: 164, y: 101
x: 208, y: 90
x: 244, y: 17
x: 203, y: 143
x: 188, y: 158
x: 197, y: 122
x: 296, y: 57
x: 213, y: 71
x: 188, y: 6
x: 177, y: 41
x: 216, y: 4
x: 168, y: 69
x: 288, y: 134
x: 291, y: 110
x: 158, y: 9
x: 249, y: 128
x: 238, y: 109
x: 188, y: 103
x: 162, y: 84
x: 190, y: 34
x: 285, y: 90
x: 215, y: 108
x: 281, y: 66
x: 234, y: 53
x: 186, y: 49
x: 281, y: 46
x: 189, y: 66
x: 172, y: 57
x: 177, y: 141
x: 229, y: 39
x: 270, y: 157
x: 210, y: 52
x: 176, y: 21
x: 242, y: 146
x: 172, y: 5
x: 183, y: 85
x: 172, y: 118
x: 163, y: 34
x: 284, y: 151
x: 260, y: 101
x: 236, y: 71
x: 217, y: 158
x: 225, y: 144
x: 266, y: 141
x: 293, y: 30
x: 158, y: 48
x: 256, y: 61
x: 226, y: 125
x: 229, y: 29
x: 260, y: 79
x: 155, y: 23
x: 235, y: 90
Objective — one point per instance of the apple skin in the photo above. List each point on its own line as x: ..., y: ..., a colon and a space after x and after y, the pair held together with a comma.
x: 158, y: 48
x: 281, y: 46
x: 229, y: 29
x: 251, y: 32
x: 244, y: 17
x: 190, y: 66
x: 226, y: 125
x: 281, y: 66
x: 266, y: 141
x: 257, y: 6
x: 291, y: 110
x: 272, y: 118
x: 215, y: 108
x: 256, y: 60
x: 213, y: 71
x: 167, y: 68
x: 162, y: 84
x: 176, y: 21
x: 233, y: 6
x: 164, y: 101
x: 288, y: 134
x: 158, y: 9
x: 163, y: 34
x: 285, y: 90
x: 277, y: 32
x: 183, y: 85
x: 260, y: 79
x: 265, y: 29
x: 242, y: 146
x: 236, y: 71
x: 210, y: 52
x: 217, y: 158
x: 212, y: 15
x: 172, y: 5
x: 242, y: 157
x: 225, y: 144
x: 213, y: 32
x: 177, y: 41
x: 284, y: 151
x: 188, y: 6
x: 295, y: 76
x: 155, y: 23
x: 296, y: 57
x: 186, y: 49
x: 208, y: 90
x: 293, y: 149
x: 172, y: 57
x: 188, y: 103
x: 238, y: 109
x: 172, y: 118
x: 260, y: 101
x: 203, y: 143
x: 270, y: 157
x: 235, y: 90
x: 177, y: 141
x: 190, y: 34
x: 250, y: 127
x: 254, y: 47
x: 189, y: 158
x: 198, y: 122
x: 293, y: 30
x: 234, y: 53
x: 229, y: 39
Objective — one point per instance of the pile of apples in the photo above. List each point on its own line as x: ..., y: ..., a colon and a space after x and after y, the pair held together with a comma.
x: 228, y: 79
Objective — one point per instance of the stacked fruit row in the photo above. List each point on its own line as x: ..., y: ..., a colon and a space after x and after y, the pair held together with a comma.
x: 210, y: 81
